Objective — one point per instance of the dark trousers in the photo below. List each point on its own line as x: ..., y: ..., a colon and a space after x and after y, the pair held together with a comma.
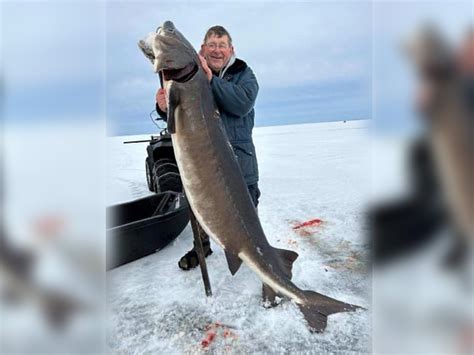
x: 254, y: 194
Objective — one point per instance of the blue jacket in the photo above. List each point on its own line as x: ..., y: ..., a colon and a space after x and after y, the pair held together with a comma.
x: 235, y: 96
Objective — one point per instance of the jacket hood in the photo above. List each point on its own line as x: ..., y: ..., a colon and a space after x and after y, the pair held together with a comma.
x: 234, y: 65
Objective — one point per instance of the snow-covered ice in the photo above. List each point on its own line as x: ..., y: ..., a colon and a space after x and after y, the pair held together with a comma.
x: 311, y: 171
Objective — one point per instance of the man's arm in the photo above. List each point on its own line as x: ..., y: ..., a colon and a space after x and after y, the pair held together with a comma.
x: 236, y: 99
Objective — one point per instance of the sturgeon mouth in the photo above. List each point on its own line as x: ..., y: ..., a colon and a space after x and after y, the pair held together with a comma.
x: 180, y: 75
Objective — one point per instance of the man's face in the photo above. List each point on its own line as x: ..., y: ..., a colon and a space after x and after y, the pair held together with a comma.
x: 217, y: 51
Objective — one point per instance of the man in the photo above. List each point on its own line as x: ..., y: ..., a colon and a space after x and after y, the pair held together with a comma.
x: 235, y: 89
x: 444, y: 99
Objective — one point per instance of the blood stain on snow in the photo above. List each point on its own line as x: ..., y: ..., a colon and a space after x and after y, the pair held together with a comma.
x: 213, y: 330
x: 347, y: 259
x: 49, y: 226
x: 304, y: 233
x: 210, y: 336
x: 311, y: 223
x: 307, y: 228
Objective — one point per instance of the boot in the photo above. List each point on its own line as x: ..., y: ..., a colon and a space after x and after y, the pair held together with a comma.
x: 190, y: 259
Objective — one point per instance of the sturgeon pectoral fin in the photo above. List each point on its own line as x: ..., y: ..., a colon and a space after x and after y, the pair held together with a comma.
x: 287, y: 257
x: 233, y: 261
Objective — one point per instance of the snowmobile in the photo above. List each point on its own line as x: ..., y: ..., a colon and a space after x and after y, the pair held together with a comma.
x: 162, y: 173
x: 141, y: 227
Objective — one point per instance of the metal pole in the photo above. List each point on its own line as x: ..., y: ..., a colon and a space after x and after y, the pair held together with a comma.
x: 200, y: 253
x: 140, y: 141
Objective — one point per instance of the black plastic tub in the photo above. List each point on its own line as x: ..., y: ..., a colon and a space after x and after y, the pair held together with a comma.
x: 141, y: 227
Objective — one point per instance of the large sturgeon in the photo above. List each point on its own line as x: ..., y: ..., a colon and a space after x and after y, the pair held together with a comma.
x: 213, y: 182
x: 450, y: 124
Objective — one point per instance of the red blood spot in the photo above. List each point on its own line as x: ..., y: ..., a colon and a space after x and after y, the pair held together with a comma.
x: 49, y: 225
x: 304, y: 233
x: 210, y: 336
x: 311, y: 223
x: 212, y: 332
x: 204, y: 343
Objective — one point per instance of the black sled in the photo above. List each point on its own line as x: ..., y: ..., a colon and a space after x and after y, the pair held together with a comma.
x: 139, y: 228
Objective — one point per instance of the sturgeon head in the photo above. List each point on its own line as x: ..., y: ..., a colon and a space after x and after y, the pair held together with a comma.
x: 214, y: 185
x: 175, y: 57
x: 174, y: 60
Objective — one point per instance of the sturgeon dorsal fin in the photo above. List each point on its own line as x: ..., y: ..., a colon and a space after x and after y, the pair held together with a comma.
x: 233, y: 261
x: 287, y: 258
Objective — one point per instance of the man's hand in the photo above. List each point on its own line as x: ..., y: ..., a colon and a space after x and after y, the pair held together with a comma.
x: 161, y: 99
x: 205, y: 67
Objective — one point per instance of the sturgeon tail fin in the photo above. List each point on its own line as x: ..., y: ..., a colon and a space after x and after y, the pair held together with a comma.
x: 319, y: 307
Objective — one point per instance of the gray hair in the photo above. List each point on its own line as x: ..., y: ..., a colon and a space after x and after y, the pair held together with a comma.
x: 218, y: 31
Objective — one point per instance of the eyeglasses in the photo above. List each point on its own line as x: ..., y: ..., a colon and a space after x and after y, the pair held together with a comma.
x: 214, y: 46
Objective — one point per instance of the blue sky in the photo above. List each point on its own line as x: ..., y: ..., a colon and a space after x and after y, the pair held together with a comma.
x: 53, y: 61
x: 66, y: 61
x: 394, y: 84
x: 312, y: 60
